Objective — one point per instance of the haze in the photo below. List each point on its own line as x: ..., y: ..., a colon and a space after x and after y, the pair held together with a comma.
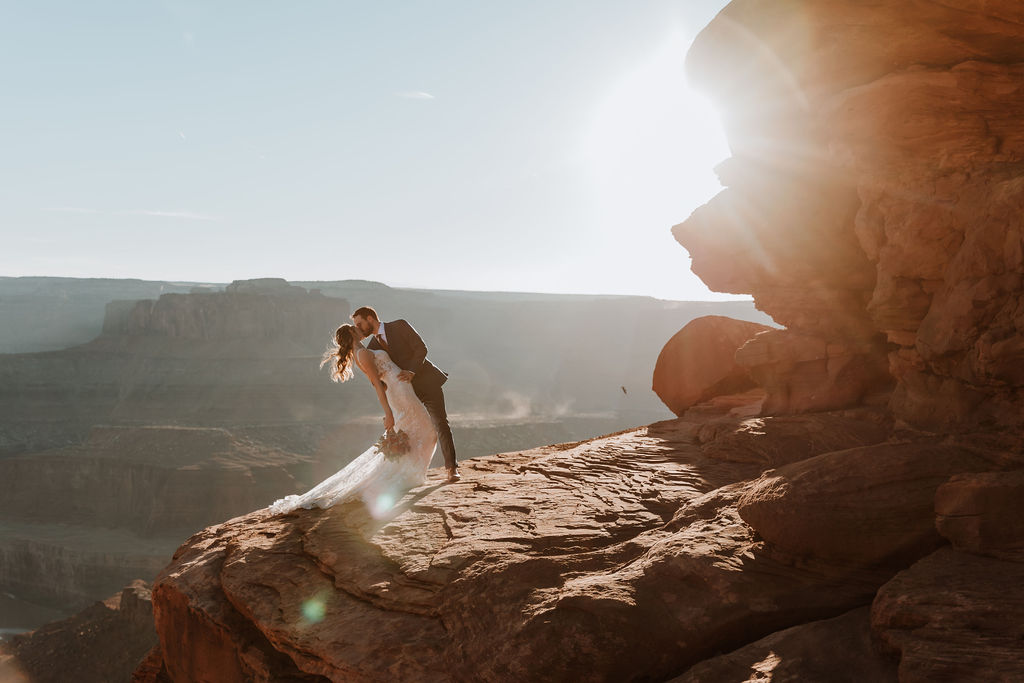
x: 531, y: 146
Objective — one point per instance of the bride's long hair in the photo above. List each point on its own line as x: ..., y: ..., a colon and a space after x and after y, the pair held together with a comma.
x: 346, y: 338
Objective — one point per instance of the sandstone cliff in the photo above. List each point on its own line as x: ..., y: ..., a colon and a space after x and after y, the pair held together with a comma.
x: 620, y: 558
x: 873, y: 200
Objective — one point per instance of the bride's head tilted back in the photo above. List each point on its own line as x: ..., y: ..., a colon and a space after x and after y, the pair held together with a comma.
x: 346, y: 338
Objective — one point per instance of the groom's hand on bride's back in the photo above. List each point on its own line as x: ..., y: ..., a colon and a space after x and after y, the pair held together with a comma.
x: 406, y: 375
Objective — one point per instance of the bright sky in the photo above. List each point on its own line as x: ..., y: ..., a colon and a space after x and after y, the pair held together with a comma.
x: 536, y: 145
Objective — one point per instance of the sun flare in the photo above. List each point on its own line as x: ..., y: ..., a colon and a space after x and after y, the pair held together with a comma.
x: 651, y: 148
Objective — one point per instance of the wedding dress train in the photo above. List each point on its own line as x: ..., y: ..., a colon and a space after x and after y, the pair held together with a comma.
x: 380, y: 481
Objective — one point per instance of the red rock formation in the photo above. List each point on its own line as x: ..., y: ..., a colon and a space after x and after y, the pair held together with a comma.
x: 953, y: 617
x: 802, y: 372
x: 698, y: 362
x: 838, y: 649
x: 874, y: 191
x: 546, y: 564
x: 860, y: 507
x: 983, y: 513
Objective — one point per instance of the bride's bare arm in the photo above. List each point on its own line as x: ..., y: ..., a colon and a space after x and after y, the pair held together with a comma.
x: 364, y: 359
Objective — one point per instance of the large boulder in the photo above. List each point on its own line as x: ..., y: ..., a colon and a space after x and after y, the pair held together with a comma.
x: 864, y: 507
x: 802, y: 372
x: 698, y: 362
x: 983, y: 513
x: 953, y: 617
x: 837, y: 650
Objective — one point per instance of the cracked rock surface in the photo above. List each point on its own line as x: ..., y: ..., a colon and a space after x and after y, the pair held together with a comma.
x: 617, y: 558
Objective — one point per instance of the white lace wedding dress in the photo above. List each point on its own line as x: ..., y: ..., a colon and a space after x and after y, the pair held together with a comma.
x: 378, y: 480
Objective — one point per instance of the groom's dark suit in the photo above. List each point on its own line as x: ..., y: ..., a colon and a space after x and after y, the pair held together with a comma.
x: 407, y: 350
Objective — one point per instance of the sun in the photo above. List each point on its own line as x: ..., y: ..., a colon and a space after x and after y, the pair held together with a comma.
x: 651, y: 148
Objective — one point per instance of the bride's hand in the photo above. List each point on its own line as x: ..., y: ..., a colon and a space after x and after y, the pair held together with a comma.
x: 389, y: 422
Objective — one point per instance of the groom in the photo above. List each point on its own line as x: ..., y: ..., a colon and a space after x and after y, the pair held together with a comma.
x: 400, y: 341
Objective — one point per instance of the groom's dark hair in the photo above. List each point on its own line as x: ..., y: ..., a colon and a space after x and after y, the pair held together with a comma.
x: 366, y: 312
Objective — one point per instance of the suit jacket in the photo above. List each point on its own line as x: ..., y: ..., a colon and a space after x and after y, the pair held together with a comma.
x: 408, y: 352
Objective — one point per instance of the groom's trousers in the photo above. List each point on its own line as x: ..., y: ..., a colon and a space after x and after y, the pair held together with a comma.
x: 433, y: 400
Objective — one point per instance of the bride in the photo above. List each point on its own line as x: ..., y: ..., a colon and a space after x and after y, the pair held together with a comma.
x: 378, y: 479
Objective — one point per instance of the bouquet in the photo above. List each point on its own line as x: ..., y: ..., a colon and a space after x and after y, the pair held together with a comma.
x: 393, y: 444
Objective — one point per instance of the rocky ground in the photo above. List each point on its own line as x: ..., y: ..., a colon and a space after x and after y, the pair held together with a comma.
x: 630, y: 557
x: 854, y: 516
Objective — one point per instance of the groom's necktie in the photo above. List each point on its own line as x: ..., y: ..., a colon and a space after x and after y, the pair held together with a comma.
x: 383, y: 344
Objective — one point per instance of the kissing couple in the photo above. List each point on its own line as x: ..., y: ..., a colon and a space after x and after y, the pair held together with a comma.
x: 408, y: 387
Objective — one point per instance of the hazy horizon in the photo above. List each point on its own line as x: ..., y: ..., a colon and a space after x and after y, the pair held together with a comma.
x: 535, y: 148
x: 180, y: 281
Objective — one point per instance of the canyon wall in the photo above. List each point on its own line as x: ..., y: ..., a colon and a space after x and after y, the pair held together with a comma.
x: 247, y: 355
x: 872, y: 201
x: 51, y: 313
x: 102, y: 643
x: 79, y: 522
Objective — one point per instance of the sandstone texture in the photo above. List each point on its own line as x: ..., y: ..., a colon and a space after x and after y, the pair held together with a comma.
x: 865, y: 506
x: 837, y: 650
x: 872, y: 200
x: 616, y: 559
x: 803, y: 373
x: 954, y: 617
x: 698, y: 363
x: 983, y: 513
x: 872, y: 207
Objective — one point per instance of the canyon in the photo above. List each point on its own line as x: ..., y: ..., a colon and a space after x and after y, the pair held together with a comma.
x: 199, y: 405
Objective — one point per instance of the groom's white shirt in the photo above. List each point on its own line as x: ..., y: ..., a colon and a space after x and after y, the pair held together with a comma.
x: 380, y: 333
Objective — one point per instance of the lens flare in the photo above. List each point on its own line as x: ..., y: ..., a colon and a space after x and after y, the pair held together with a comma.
x: 381, y: 504
x: 313, y: 610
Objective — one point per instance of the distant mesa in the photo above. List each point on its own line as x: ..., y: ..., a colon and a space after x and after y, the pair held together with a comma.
x: 50, y: 313
x: 246, y: 310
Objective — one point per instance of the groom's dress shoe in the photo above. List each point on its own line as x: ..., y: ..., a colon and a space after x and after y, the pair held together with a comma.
x: 453, y: 475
